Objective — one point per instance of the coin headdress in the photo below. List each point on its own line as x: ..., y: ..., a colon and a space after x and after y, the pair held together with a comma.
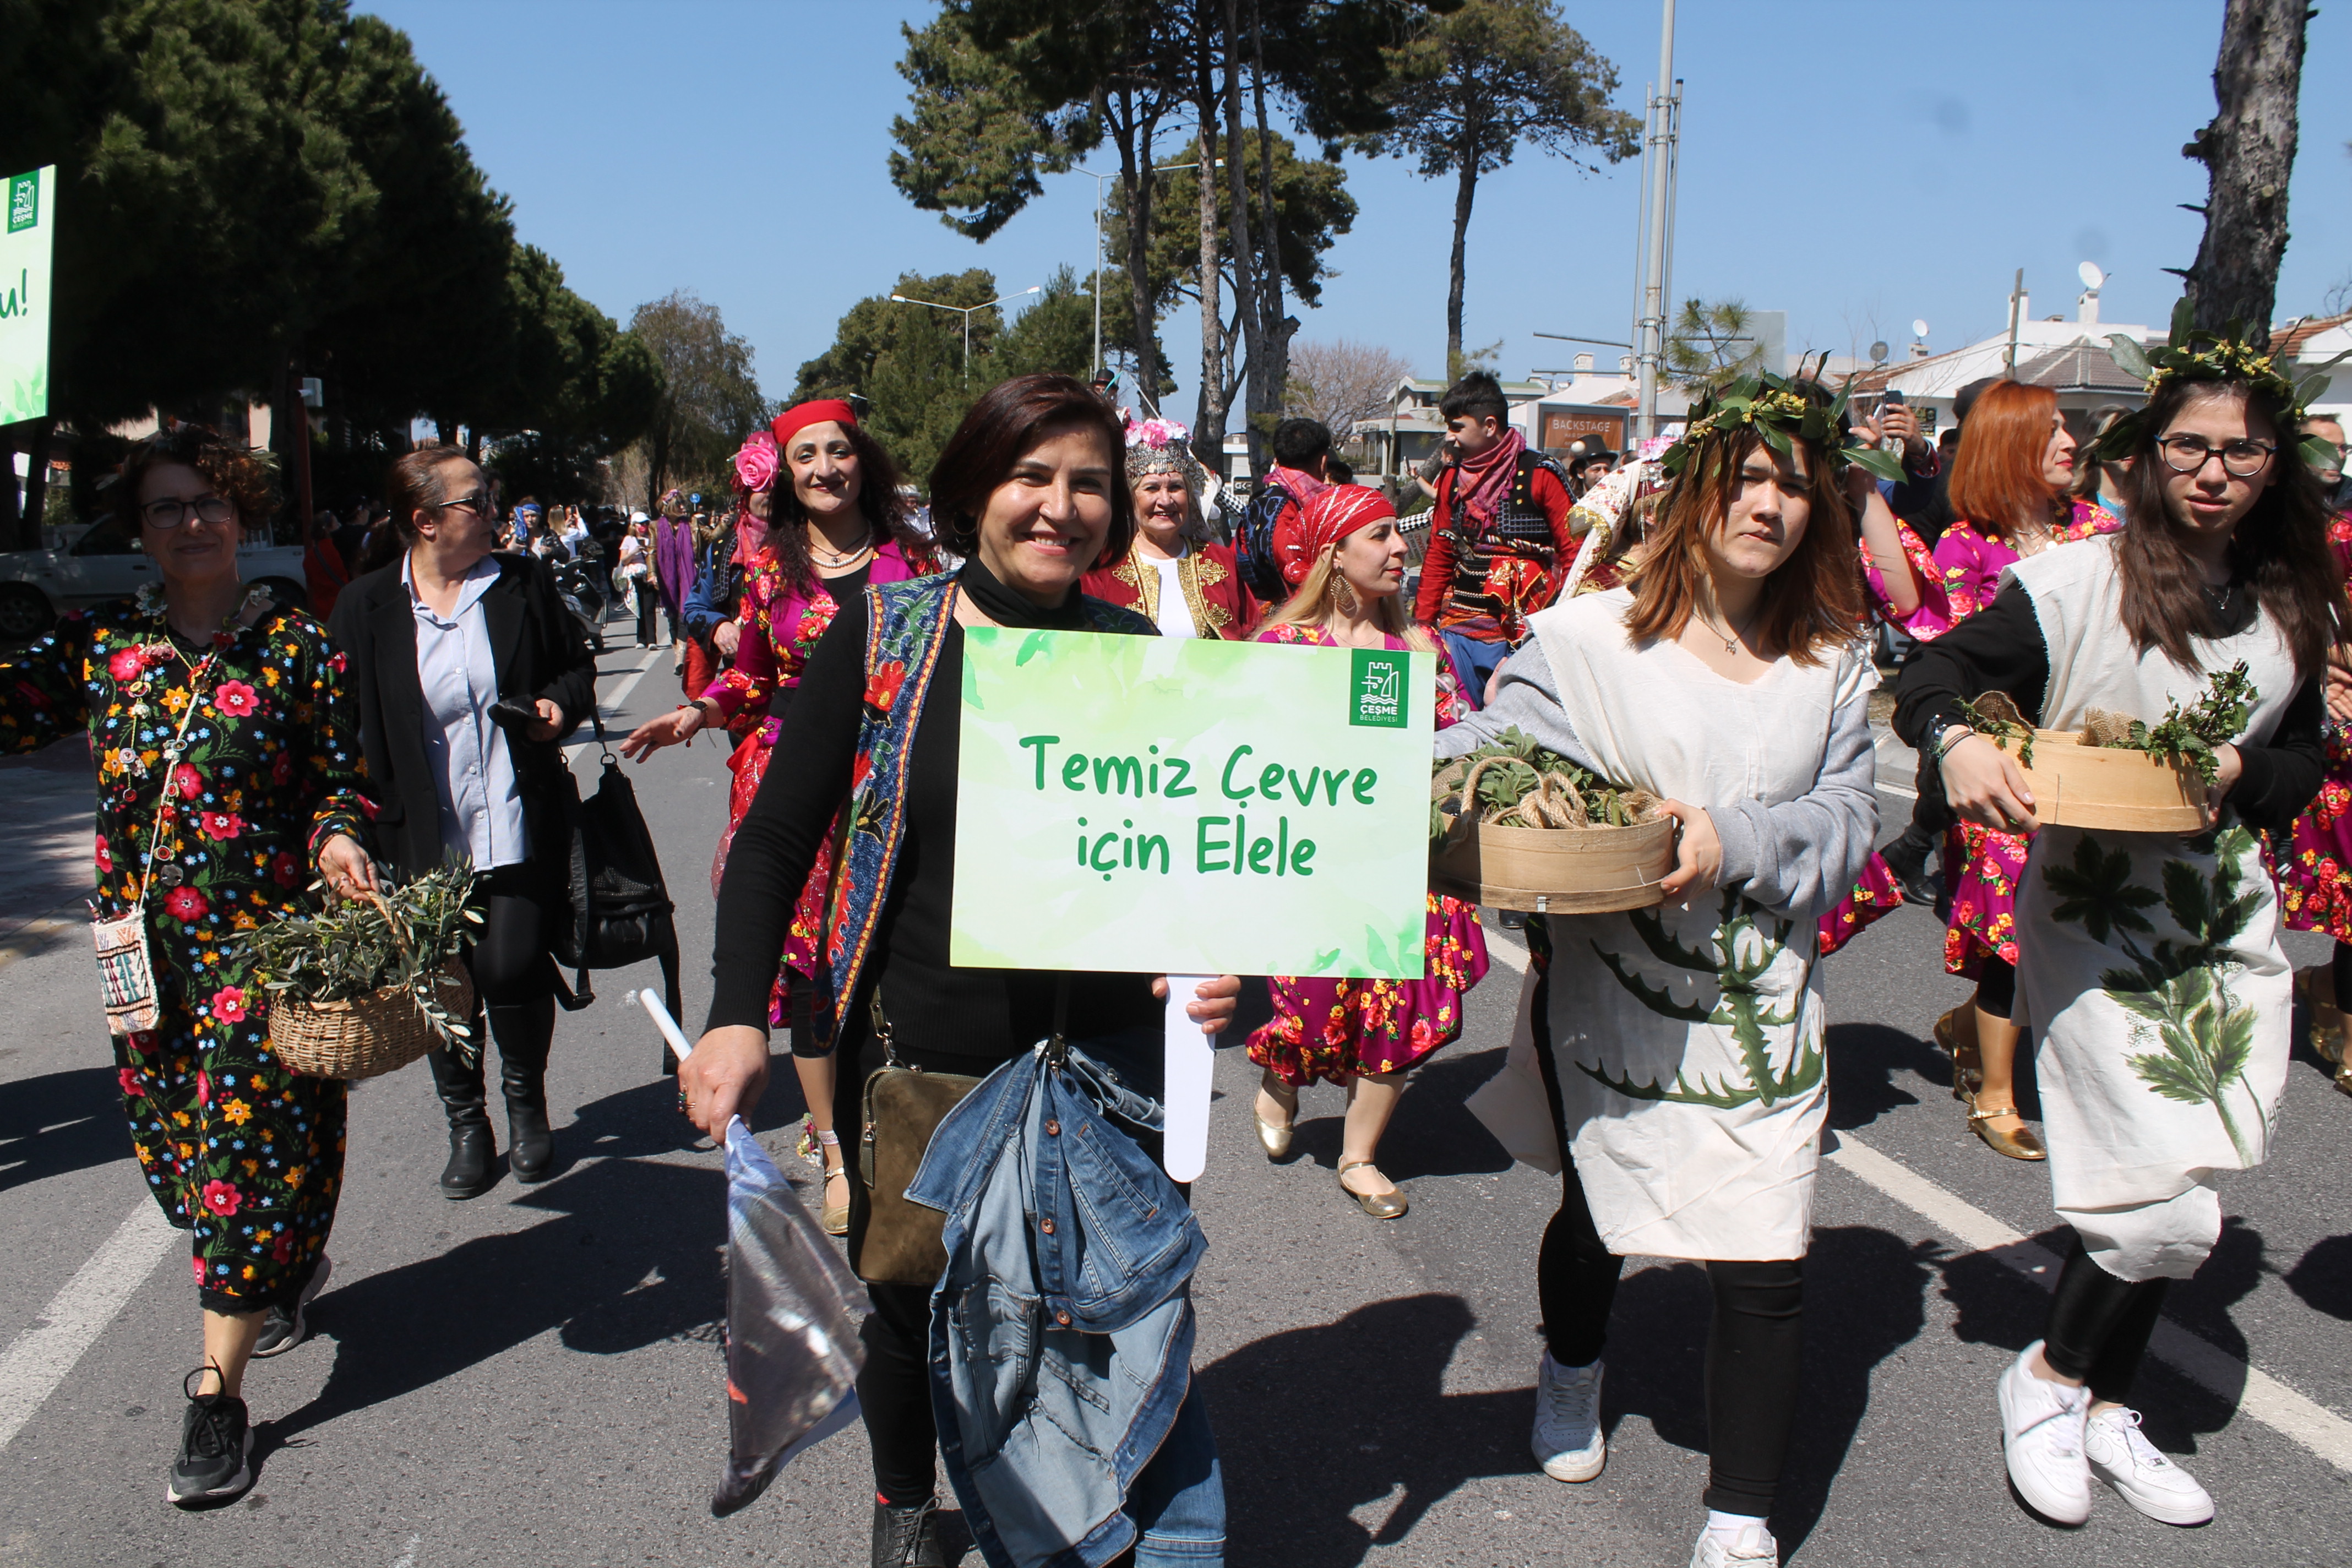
x: 2197, y: 353
x: 1163, y: 446
x: 1781, y: 411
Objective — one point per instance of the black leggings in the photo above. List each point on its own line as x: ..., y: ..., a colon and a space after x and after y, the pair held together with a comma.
x: 2099, y: 1325
x: 2340, y: 973
x: 1754, y: 1345
x: 513, y: 975
x: 894, y: 1391
x: 1997, y: 986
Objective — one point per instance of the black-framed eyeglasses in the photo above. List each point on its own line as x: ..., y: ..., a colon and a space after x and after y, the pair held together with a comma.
x: 479, y: 503
x: 2240, y: 459
x: 172, y: 512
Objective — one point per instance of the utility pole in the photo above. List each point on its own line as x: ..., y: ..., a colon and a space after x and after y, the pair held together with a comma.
x: 2016, y: 310
x: 1665, y: 118
x: 1098, y: 179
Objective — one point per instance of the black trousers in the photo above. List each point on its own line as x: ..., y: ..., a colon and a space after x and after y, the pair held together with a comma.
x: 646, y: 605
x: 2099, y: 1325
x: 1754, y: 1345
x: 514, y: 975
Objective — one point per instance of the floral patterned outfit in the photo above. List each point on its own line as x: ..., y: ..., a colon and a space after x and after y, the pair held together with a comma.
x: 780, y: 624
x: 243, y: 1153
x: 2314, y: 887
x: 1984, y: 892
x: 1332, y: 1029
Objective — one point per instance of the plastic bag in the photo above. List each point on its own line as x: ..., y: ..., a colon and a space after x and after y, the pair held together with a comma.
x: 792, y: 1315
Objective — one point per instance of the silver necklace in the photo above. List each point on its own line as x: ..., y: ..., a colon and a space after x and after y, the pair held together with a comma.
x: 1733, y: 638
x: 826, y: 555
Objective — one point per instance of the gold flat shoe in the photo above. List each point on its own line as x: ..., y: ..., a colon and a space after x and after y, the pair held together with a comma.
x: 834, y: 1220
x: 2022, y: 1144
x: 2330, y: 1029
x: 1380, y: 1206
x: 1274, y: 1137
x: 1968, y: 1067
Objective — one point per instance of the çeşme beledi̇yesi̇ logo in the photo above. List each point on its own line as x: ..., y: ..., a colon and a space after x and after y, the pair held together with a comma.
x: 1377, y: 695
x: 24, y: 201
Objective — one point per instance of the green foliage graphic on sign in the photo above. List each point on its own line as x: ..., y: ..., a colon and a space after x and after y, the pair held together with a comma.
x: 1162, y: 805
x: 25, y: 269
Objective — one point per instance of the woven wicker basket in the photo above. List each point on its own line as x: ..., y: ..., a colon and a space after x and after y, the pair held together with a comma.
x: 366, y: 1038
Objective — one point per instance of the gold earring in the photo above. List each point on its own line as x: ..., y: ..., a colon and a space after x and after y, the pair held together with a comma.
x: 1343, y: 596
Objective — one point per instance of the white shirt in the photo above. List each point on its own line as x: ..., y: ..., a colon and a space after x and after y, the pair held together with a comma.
x: 1175, y: 616
x: 473, y: 772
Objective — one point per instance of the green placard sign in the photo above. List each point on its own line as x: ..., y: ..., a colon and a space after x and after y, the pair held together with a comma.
x: 28, y: 225
x: 1191, y: 807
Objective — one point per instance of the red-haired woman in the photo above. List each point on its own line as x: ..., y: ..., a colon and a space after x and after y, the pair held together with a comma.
x: 1344, y: 559
x: 228, y: 766
x: 1678, y: 1048
x: 836, y: 527
x: 2010, y: 484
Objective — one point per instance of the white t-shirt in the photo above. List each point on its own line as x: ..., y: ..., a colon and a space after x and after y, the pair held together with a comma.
x: 1175, y: 616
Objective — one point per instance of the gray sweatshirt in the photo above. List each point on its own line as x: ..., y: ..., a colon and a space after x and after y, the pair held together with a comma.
x: 1799, y: 859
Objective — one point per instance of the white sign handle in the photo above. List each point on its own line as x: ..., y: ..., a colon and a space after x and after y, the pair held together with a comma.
x: 1191, y: 1066
x: 665, y: 1023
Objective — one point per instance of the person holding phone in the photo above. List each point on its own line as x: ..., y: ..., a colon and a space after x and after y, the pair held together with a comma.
x: 468, y: 670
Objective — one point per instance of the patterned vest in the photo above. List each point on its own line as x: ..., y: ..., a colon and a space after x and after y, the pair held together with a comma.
x: 903, y: 623
x: 1520, y: 536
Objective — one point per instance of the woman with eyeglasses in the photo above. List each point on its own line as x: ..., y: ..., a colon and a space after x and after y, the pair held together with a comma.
x: 227, y: 773
x: 2149, y: 966
x: 2010, y: 486
x: 450, y: 648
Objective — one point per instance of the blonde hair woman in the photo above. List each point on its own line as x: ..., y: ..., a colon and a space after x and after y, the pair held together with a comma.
x: 1345, y: 560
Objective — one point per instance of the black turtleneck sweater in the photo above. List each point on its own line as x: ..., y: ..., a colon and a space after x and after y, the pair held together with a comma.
x: 934, y: 1009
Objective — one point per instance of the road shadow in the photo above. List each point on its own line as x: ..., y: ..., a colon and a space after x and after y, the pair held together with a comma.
x: 630, y: 1256
x: 60, y: 1123
x: 1865, y: 1062
x: 1996, y: 1305
x: 2323, y: 1278
x: 1316, y: 1423
x: 1865, y: 1293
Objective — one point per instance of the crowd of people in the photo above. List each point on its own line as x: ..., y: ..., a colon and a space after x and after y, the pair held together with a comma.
x: 1700, y: 624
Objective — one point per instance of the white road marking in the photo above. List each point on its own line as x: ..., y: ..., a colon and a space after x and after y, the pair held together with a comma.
x: 407, y: 1559
x: 609, y: 705
x: 1505, y: 950
x: 40, y: 1357
x: 2251, y: 1391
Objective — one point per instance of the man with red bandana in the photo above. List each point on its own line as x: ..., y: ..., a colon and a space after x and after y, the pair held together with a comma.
x: 1500, y: 545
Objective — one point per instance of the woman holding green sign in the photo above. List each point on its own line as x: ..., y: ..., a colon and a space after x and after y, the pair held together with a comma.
x: 1345, y: 560
x: 1030, y: 491
x: 1680, y: 1046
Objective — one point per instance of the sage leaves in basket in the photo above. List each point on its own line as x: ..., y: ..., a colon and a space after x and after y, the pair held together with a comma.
x: 351, y: 950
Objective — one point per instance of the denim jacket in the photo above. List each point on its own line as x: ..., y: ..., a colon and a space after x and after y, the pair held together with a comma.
x: 1062, y: 1331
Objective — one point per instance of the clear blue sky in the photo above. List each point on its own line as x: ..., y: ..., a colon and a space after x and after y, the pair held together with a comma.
x: 1856, y: 164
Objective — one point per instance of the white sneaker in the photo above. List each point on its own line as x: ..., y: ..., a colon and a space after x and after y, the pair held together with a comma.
x: 1755, y: 1548
x: 2124, y: 1460
x: 2042, y: 1440
x: 1568, y: 1442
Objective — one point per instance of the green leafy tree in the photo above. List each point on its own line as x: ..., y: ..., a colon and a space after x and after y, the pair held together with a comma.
x: 1469, y: 88
x: 1712, y: 342
x: 902, y: 364
x: 709, y: 400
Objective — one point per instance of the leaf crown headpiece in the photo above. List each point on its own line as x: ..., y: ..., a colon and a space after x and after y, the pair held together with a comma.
x: 1783, y: 409
x: 2197, y: 354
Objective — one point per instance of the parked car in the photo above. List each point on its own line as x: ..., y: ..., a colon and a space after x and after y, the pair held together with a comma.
x: 106, y: 563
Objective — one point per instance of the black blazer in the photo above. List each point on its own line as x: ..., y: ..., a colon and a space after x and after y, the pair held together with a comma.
x: 539, y: 650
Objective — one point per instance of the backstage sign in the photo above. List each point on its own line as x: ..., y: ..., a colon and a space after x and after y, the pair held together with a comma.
x: 1191, y: 807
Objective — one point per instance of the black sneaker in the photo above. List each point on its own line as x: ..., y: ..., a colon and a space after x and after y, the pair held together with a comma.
x: 284, y: 1327
x: 214, y: 1443
x: 907, y: 1537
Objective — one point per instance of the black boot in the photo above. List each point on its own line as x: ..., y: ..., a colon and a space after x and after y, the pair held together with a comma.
x: 473, y: 1152
x: 522, y: 1075
x: 907, y: 1537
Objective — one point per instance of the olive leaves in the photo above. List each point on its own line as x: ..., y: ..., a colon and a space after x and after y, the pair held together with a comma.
x: 1783, y: 411
x: 2195, y: 353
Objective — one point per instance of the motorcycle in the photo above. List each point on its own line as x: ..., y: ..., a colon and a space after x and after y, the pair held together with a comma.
x: 585, y: 599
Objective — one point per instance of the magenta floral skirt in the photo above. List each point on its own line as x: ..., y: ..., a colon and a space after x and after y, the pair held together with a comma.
x: 1874, y: 897
x: 2316, y: 886
x: 1984, y: 896
x: 1333, y: 1029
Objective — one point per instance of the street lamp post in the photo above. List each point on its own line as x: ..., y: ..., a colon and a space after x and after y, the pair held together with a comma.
x: 1098, y: 179
x: 965, y: 311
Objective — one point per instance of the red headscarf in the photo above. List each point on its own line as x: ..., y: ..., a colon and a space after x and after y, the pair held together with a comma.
x: 1336, y: 511
x: 816, y: 411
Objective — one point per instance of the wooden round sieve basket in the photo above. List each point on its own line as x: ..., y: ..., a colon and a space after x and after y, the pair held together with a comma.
x: 2075, y: 785
x: 1557, y: 870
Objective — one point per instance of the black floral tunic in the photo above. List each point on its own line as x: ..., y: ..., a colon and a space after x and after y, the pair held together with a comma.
x: 243, y: 1153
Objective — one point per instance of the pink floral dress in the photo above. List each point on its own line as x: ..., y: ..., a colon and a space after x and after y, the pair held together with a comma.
x: 2315, y: 885
x: 1984, y: 891
x: 781, y: 627
x: 1333, y: 1029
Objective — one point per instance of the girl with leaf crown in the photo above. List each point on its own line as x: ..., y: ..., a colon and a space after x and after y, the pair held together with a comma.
x: 2150, y: 972
x: 1678, y: 1048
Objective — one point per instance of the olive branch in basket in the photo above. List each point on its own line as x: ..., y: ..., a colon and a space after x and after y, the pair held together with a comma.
x: 403, y: 937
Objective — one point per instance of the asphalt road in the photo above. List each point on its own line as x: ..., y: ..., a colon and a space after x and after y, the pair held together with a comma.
x: 534, y: 1377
